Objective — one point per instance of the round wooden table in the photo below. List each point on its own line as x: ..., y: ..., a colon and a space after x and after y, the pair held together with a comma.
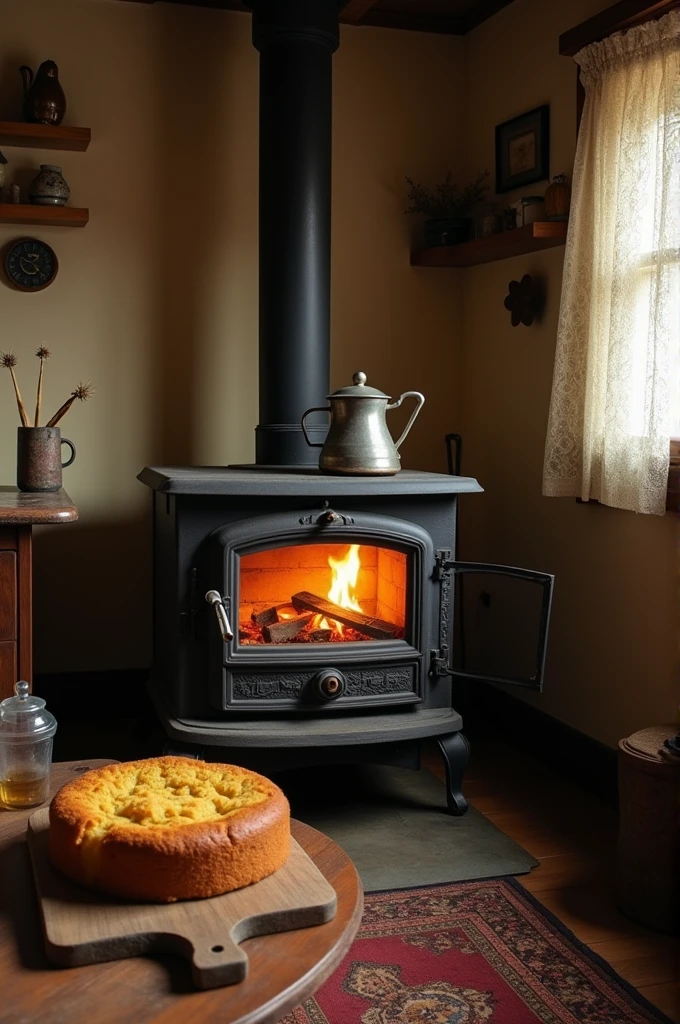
x: 284, y: 969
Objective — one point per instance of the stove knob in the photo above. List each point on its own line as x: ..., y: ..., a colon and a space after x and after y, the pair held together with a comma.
x: 329, y: 685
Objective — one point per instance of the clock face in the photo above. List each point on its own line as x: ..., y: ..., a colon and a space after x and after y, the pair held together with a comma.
x: 30, y: 264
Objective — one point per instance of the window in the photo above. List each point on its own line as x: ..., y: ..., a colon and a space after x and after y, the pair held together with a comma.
x: 616, y: 388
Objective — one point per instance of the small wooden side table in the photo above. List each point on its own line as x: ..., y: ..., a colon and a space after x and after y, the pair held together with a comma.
x: 284, y: 969
x: 19, y: 512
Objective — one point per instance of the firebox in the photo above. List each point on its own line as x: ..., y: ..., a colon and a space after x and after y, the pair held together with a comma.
x: 303, y: 619
x: 331, y: 609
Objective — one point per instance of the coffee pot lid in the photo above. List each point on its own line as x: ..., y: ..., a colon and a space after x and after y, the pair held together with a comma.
x: 24, y: 716
x: 358, y: 389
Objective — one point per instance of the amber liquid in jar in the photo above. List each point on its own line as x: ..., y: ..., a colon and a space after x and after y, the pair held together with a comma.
x: 23, y: 789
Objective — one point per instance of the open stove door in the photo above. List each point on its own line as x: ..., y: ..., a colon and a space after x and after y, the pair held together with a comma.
x: 448, y: 570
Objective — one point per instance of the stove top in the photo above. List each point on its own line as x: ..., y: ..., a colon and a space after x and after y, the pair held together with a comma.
x: 296, y: 480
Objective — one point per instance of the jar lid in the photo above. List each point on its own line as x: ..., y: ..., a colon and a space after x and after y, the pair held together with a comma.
x: 358, y: 389
x: 24, y: 716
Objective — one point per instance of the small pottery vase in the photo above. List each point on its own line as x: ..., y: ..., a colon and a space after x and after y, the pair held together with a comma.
x: 48, y: 188
x: 557, y: 198
x: 44, y: 100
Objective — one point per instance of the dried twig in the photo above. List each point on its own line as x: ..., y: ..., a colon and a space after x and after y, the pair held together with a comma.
x: 82, y: 393
x: 43, y: 353
x: 9, y: 360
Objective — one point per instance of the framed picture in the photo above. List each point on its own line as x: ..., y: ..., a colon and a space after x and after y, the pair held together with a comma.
x: 523, y: 149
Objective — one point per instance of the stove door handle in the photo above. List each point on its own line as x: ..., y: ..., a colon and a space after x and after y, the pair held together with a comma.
x: 214, y: 598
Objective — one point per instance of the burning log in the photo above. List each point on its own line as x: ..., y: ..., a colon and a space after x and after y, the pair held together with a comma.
x: 378, y: 629
x: 266, y: 617
x: 277, y: 632
x: 321, y: 636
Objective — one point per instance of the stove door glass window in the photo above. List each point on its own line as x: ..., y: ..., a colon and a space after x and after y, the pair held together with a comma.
x: 322, y: 593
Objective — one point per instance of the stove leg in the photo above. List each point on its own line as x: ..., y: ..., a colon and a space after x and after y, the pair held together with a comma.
x: 455, y: 751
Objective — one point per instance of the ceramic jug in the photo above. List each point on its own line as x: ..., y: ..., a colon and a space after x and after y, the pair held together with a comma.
x: 44, y: 100
x: 49, y: 188
x: 358, y: 440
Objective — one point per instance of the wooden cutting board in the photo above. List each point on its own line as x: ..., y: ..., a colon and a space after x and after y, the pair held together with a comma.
x: 85, y: 927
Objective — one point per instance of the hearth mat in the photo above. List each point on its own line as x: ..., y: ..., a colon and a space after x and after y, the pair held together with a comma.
x: 393, y: 824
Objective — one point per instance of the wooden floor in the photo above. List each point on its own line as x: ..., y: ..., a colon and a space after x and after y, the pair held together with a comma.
x: 573, y: 835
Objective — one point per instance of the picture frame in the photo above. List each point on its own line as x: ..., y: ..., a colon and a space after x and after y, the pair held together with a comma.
x: 523, y: 149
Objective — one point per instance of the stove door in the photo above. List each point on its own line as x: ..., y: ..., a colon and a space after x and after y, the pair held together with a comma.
x: 326, y: 611
x: 497, y: 624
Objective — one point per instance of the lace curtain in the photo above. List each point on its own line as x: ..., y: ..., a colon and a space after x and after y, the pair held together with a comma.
x: 616, y: 383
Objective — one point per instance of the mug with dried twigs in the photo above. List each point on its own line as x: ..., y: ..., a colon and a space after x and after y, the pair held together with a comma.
x: 39, y: 462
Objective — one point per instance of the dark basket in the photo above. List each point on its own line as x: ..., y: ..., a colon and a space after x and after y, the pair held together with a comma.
x: 447, y: 230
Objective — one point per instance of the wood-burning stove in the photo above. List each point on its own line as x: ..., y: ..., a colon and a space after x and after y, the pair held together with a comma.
x: 302, y: 618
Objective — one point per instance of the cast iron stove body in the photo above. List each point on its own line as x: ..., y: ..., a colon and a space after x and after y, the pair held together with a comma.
x: 228, y: 688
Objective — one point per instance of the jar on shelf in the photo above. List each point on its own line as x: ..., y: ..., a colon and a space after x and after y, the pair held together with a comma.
x: 533, y: 208
x: 557, y: 198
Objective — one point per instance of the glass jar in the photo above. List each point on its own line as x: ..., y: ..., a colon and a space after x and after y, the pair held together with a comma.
x: 26, y: 734
x: 533, y: 208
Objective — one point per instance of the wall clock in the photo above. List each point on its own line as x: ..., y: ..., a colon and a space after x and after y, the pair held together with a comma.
x: 30, y: 264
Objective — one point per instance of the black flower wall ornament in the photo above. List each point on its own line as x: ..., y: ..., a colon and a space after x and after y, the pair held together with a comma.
x: 525, y: 300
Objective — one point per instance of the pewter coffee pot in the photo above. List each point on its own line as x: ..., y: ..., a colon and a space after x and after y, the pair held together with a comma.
x: 358, y: 440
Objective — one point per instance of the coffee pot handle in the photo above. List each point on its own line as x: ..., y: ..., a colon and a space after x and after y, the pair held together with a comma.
x: 420, y: 400
x: 314, y: 444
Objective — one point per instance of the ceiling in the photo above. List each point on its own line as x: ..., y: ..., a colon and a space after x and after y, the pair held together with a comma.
x: 450, y: 17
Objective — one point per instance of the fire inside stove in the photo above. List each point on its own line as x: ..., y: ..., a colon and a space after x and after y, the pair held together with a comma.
x: 322, y: 593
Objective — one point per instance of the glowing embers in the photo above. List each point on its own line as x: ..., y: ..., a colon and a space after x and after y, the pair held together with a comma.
x: 322, y: 593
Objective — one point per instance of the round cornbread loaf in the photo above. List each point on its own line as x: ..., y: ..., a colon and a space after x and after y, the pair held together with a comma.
x: 169, y: 828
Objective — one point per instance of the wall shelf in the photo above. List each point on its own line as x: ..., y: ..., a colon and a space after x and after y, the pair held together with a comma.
x: 49, y: 216
x: 542, y: 234
x: 44, y: 136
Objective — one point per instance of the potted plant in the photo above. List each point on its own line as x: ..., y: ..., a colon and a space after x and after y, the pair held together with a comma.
x: 447, y: 207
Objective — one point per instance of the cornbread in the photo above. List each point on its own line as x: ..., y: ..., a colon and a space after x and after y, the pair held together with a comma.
x: 169, y: 828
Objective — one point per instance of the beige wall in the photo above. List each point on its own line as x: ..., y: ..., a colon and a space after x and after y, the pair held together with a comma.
x: 613, y: 655
x: 156, y: 303
x: 156, y: 299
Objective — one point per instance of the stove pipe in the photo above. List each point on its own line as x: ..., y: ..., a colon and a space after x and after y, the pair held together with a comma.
x: 296, y: 40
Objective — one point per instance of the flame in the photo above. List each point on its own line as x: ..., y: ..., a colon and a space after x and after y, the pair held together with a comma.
x: 343, y: 584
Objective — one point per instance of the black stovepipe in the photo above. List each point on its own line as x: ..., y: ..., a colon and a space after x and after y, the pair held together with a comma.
x: 296, y: 40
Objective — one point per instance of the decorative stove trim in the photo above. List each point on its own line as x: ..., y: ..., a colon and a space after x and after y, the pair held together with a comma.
x: 296, y: 690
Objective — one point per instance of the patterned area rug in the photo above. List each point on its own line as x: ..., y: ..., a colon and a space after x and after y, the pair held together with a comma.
x: 470, y: 953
